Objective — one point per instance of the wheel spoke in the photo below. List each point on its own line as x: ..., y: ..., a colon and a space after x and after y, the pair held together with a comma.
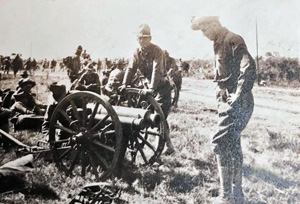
x: 84, y: 163
x: 104, y: 146
x: 64, y: 154
x: 141, y: 151
x: 74, y: 161
x: 100, y: 123
x: 93, y: 163
x: 63, y: 113
x: 92, y: 117
x: 84, y: 112
x: 74, y: 109
x: 146, y: 142
x: 65, y: 129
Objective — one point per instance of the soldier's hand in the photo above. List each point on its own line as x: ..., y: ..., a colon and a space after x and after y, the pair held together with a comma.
x: 232, y: 99
x: 147, y: 92
x: 122, y: 88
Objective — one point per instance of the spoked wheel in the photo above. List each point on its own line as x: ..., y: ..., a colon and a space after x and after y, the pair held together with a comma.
x: 86, y: 136
x: 174, y: 94
x: 146, y: 145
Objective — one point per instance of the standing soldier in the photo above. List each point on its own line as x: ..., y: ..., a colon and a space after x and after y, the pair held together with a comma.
x: 28, y: 66
x: 235, y: 75
x: 53, y: 65
x: 7, y: 65
x: 17, y: 64
x: 149, y: 60
x: 75, y: 65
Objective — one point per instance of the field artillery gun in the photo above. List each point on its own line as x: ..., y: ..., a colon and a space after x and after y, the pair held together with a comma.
x: 87, y: 135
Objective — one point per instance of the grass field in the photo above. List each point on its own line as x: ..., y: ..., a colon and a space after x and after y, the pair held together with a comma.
x: 271, y: 147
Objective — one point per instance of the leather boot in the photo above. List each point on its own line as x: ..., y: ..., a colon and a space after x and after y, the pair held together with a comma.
x: 237, y: 171
x: 225, y: 174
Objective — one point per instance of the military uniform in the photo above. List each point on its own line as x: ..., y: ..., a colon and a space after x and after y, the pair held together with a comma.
x: 150, y: 62
x: 235, y: 73
x: 89, y: 82
x: 59, y: 92
x: 27, y: 114
x: 74, y: 68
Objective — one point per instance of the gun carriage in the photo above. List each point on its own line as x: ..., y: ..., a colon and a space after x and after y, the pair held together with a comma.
x: 88, y: 135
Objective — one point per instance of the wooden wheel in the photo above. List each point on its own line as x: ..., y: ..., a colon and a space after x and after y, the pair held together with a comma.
x: 147, y: 144
x: 174, y: 94
x: 83, y: 141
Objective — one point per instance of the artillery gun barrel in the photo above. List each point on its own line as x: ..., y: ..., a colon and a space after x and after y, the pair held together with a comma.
x: 130, y: 115
x: 138, y: 123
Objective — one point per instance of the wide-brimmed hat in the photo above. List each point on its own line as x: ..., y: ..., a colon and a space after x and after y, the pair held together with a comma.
x: 199, y: 23
x: 26, y: 81
x: 24, y: 74
x: 56, y: 87
x: 144, y: 31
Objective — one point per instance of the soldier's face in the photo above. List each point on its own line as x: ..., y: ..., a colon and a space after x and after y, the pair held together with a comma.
x: 210, y: 31
x: 144, y: 41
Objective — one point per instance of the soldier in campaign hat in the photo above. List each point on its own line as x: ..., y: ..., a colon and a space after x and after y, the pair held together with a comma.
x: 24, y: 105
x: 235, y: 73
x: 148, y: 59
x: 58, y: 91
x: 74, y: 64
x: 89, y: 81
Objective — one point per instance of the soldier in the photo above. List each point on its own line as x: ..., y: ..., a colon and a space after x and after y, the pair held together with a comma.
x: 173, y: 72
x: 7, y: 65
x: 89, y: 81
x: 149, y: 60
x: 58, y: 93
x: 25, y: 107
x: 53, y: 65
x: 115, y: 78
x: 4, y: 116
x: 235, y: 75
x: 28, y: 65
x: 74, y: 65
x: 17, y: 64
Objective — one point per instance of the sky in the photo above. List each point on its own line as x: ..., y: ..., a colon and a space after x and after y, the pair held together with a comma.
x: 107, y: 28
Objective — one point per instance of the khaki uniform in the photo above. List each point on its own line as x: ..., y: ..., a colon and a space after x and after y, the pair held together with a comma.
x: 89, y: 82
x: 27, y: 114
x: 74, y: 68
x: 235, y: 73
x: 151, y: 64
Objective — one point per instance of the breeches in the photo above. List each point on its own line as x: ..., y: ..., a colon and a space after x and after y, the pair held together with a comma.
x: 232, y: 121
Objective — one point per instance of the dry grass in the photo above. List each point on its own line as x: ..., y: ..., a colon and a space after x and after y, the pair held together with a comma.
x: 271, y: 162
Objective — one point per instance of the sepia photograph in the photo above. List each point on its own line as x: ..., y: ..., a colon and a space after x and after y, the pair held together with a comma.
x: 149, y: 102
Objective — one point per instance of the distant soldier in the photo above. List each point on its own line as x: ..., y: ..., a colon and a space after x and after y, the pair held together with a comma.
x: 74, y: 65
x: 89, y: 81
x: 45, y: 64
x: 17, y: 64
x: 235, y: 73
x: 58, y: 93
x: 33, y: 64
x: 149, y: 60
x: 28, y: 65
x: 25, y: 107
x: 53, y: 65
x: 7, y: 65
x: 115, y: 79
x: 24, y: 75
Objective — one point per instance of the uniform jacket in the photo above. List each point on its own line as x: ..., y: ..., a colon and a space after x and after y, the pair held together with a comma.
x: 235, y: 68
x: 150, y: 62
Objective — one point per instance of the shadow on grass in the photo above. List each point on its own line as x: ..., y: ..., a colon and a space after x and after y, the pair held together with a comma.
x: 184, y: 182
x: 269, y: 177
